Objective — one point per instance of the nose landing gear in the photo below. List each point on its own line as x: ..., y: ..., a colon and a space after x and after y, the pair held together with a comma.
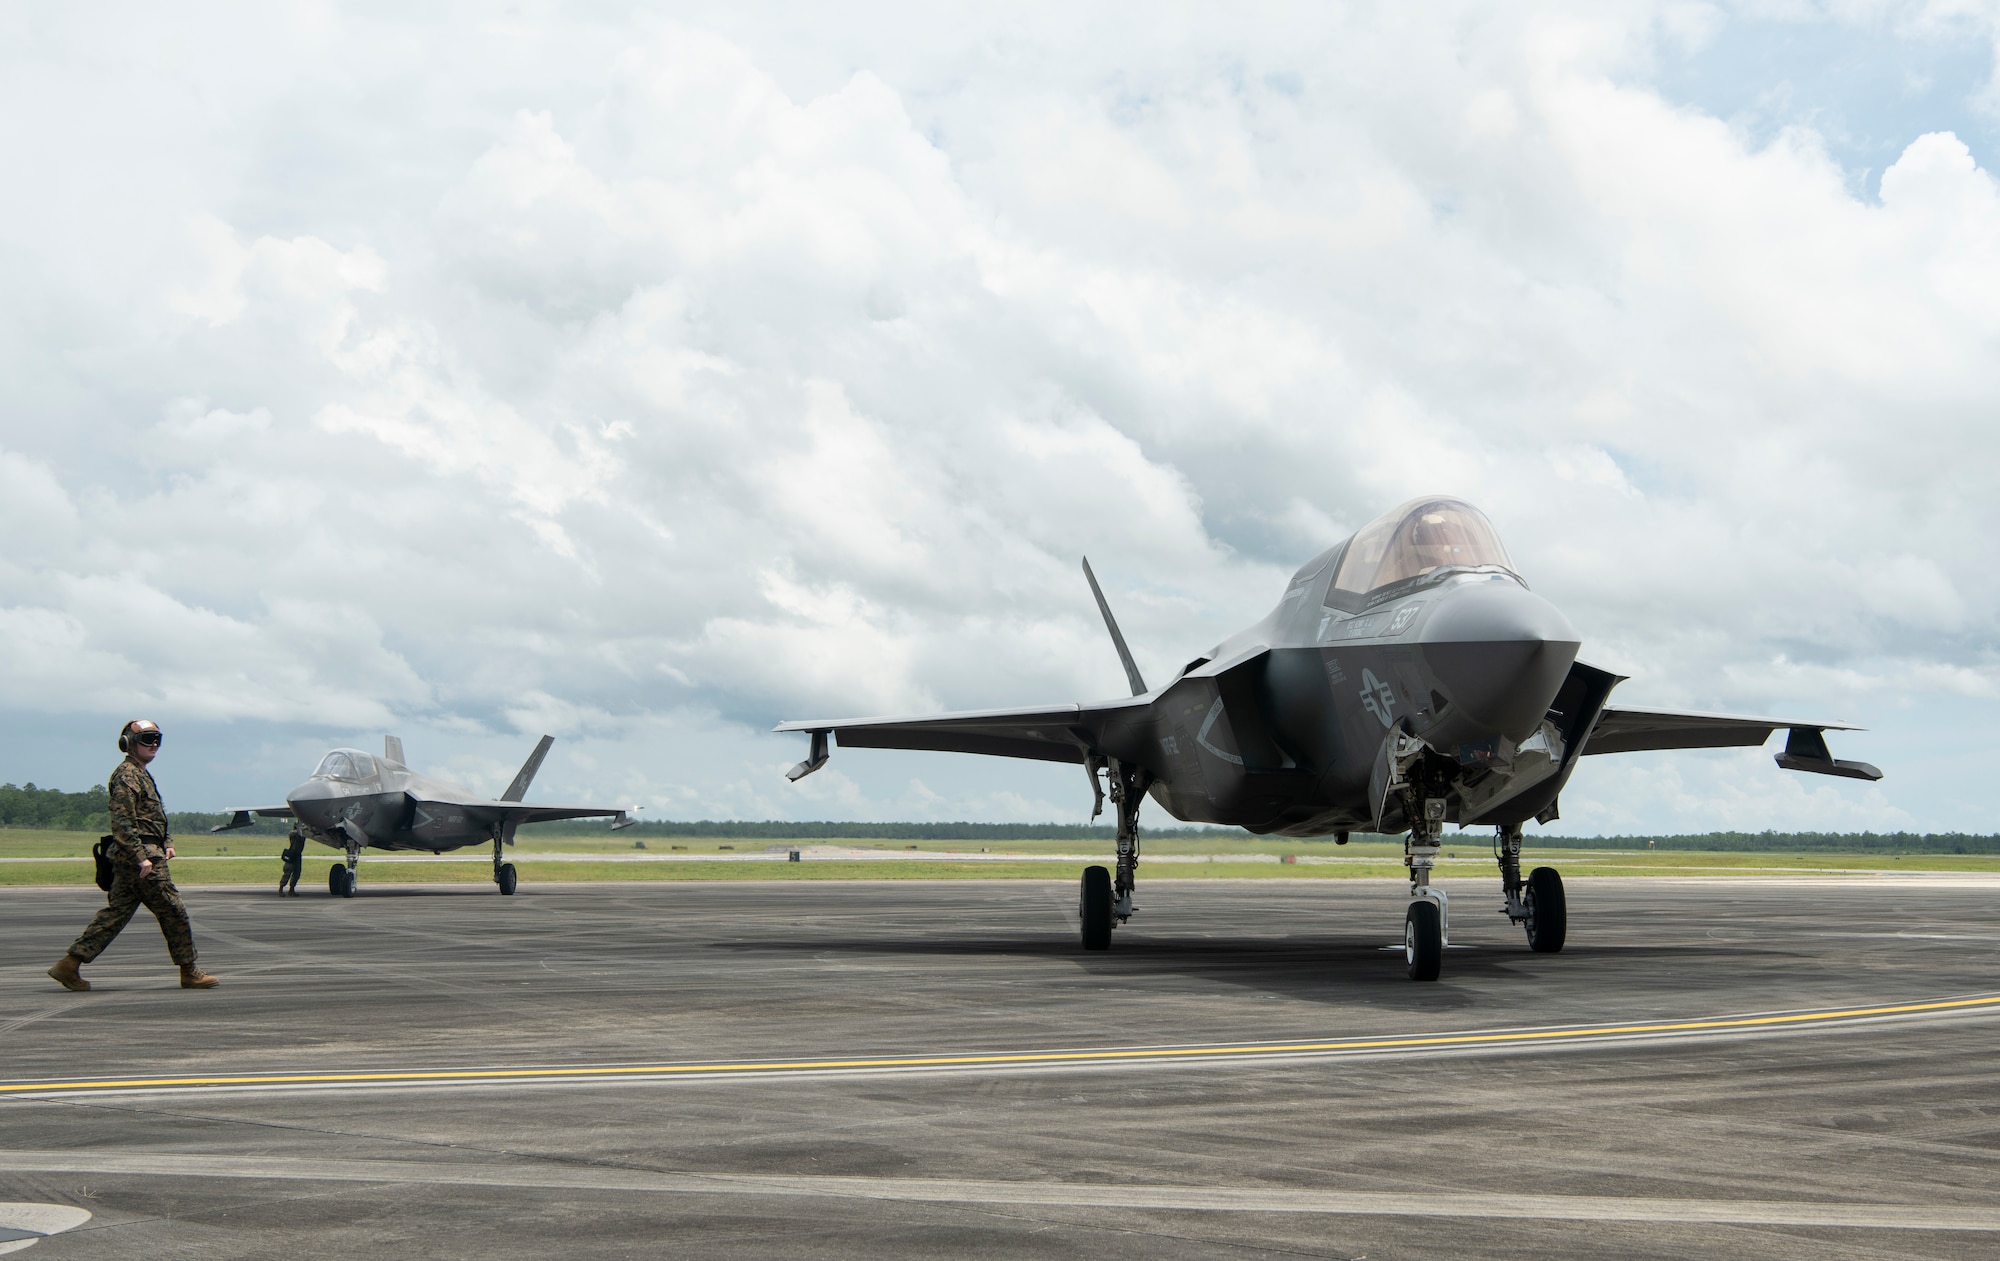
x: 1427, y: 924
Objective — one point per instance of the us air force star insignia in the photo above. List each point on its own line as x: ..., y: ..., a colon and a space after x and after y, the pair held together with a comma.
x: 1376, y: 698
x: 24, y: 1225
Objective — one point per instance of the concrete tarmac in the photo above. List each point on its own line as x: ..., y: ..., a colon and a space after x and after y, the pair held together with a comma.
x: 1795, y: 1068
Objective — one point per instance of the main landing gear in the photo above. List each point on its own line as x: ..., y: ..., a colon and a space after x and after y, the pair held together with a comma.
x: 503, y: 872
x: 1536, y: 903
x: 1104, y: 900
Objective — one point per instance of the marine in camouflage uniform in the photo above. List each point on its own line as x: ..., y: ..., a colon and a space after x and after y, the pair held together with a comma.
x: 295, y: 862
x: 139, y: 850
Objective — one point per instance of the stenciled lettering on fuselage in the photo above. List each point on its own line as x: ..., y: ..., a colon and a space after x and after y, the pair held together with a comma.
x: 1377, y: 699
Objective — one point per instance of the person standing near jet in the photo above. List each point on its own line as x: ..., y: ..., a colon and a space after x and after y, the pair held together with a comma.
x: 295, y: 862
x: 141, y: 846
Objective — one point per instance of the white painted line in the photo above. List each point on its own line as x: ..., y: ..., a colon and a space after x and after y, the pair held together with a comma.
x: 1153, y: 1197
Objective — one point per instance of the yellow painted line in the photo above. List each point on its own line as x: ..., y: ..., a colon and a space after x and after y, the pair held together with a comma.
x: 1420, y: 1042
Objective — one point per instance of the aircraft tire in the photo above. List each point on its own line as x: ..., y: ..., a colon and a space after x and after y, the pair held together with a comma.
x: 336, y: 880
x: 506, y: 879
x: 348, y: 883
x: 1093, y: 908
x: 1423, y: 940
x: 1548, y: 911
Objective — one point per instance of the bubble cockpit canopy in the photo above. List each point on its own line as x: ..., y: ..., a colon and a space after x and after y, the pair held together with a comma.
x: 1416, y: 540
x: 348, y: 764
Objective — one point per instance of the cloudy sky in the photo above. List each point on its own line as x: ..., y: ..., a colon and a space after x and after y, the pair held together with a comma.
x: 645, y: 376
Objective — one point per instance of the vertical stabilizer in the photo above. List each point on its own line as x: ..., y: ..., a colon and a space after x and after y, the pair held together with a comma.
x: 392, y: 749
x: 1117, y: 639
x: 519, y: 788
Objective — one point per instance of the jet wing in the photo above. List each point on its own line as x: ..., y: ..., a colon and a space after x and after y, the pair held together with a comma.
x: 1059, y: 733
x: 240, y: 817
x: 527, y: 812
x: 1627, y: 730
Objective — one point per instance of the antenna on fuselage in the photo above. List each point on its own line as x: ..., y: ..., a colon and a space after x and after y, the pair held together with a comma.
x: 1117, y: 638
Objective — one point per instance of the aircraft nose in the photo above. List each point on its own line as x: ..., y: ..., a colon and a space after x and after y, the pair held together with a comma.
x: 1499, y: 652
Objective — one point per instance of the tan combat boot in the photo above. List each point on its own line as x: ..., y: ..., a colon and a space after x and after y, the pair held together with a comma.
x: 193, y: 978
x: 66, y: 974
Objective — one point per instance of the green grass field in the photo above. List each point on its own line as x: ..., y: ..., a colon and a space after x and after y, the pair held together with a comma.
x: 254, y: 860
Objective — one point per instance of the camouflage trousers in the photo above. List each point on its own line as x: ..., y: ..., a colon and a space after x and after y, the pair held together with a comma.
x: 129, y: 890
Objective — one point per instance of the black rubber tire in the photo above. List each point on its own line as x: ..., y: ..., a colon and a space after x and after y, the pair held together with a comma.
x: 507, y: 879
x: 1423, y: 940
x: 1548, y: 911
x: 1093, y: 908
x: 349, y: 882
x: 336, y: 880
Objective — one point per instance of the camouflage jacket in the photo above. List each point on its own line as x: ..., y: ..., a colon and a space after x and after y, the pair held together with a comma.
x: 138, y: 817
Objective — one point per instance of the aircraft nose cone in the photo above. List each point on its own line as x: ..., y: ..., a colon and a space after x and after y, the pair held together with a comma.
x: 1499, y: 653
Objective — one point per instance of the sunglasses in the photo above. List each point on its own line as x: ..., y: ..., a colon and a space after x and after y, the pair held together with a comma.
x: 151, y: 739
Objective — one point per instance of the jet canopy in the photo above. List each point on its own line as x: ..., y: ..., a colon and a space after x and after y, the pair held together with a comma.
x: 1420, y: 538
x: 347, y: 764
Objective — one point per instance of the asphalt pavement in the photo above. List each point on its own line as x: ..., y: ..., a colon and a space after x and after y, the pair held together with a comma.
x: 1783, y: 1068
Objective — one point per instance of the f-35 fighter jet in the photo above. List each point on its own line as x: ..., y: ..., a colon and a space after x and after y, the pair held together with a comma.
x: 355, y: 801
x: 1407, y: 679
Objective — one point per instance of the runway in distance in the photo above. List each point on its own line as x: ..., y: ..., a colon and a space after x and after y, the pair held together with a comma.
x: 356, y: 801
x: 1407, y: 679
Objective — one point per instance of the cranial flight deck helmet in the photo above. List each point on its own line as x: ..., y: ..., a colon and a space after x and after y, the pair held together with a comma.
x: 129, y: 734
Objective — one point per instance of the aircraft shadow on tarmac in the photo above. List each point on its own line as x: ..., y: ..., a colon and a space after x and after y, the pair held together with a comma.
x: 377, y: 892
x: 1324, y: 969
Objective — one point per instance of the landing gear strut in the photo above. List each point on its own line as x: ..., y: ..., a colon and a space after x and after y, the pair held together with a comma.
x: 1427, y: 924
x: 1536, y: 903
x: 349, y: 877
x: 503, y: 872
x: 1105, y: 900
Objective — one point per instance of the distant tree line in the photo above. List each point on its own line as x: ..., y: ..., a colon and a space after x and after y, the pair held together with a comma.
x: 1788, y: 842
x: 779, y: 830
x: 54, y: 810
x: 30, y: 807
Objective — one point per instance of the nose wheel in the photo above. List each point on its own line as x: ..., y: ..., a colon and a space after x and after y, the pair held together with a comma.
x: 1423, y: 940
x: 340, y: 881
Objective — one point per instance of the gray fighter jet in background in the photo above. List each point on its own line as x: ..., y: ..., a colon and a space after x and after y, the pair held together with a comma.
x: 1407, y: 679
x: 356, y: 801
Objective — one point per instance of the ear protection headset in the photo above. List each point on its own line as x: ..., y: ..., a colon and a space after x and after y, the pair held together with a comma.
x: 129, y: 733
